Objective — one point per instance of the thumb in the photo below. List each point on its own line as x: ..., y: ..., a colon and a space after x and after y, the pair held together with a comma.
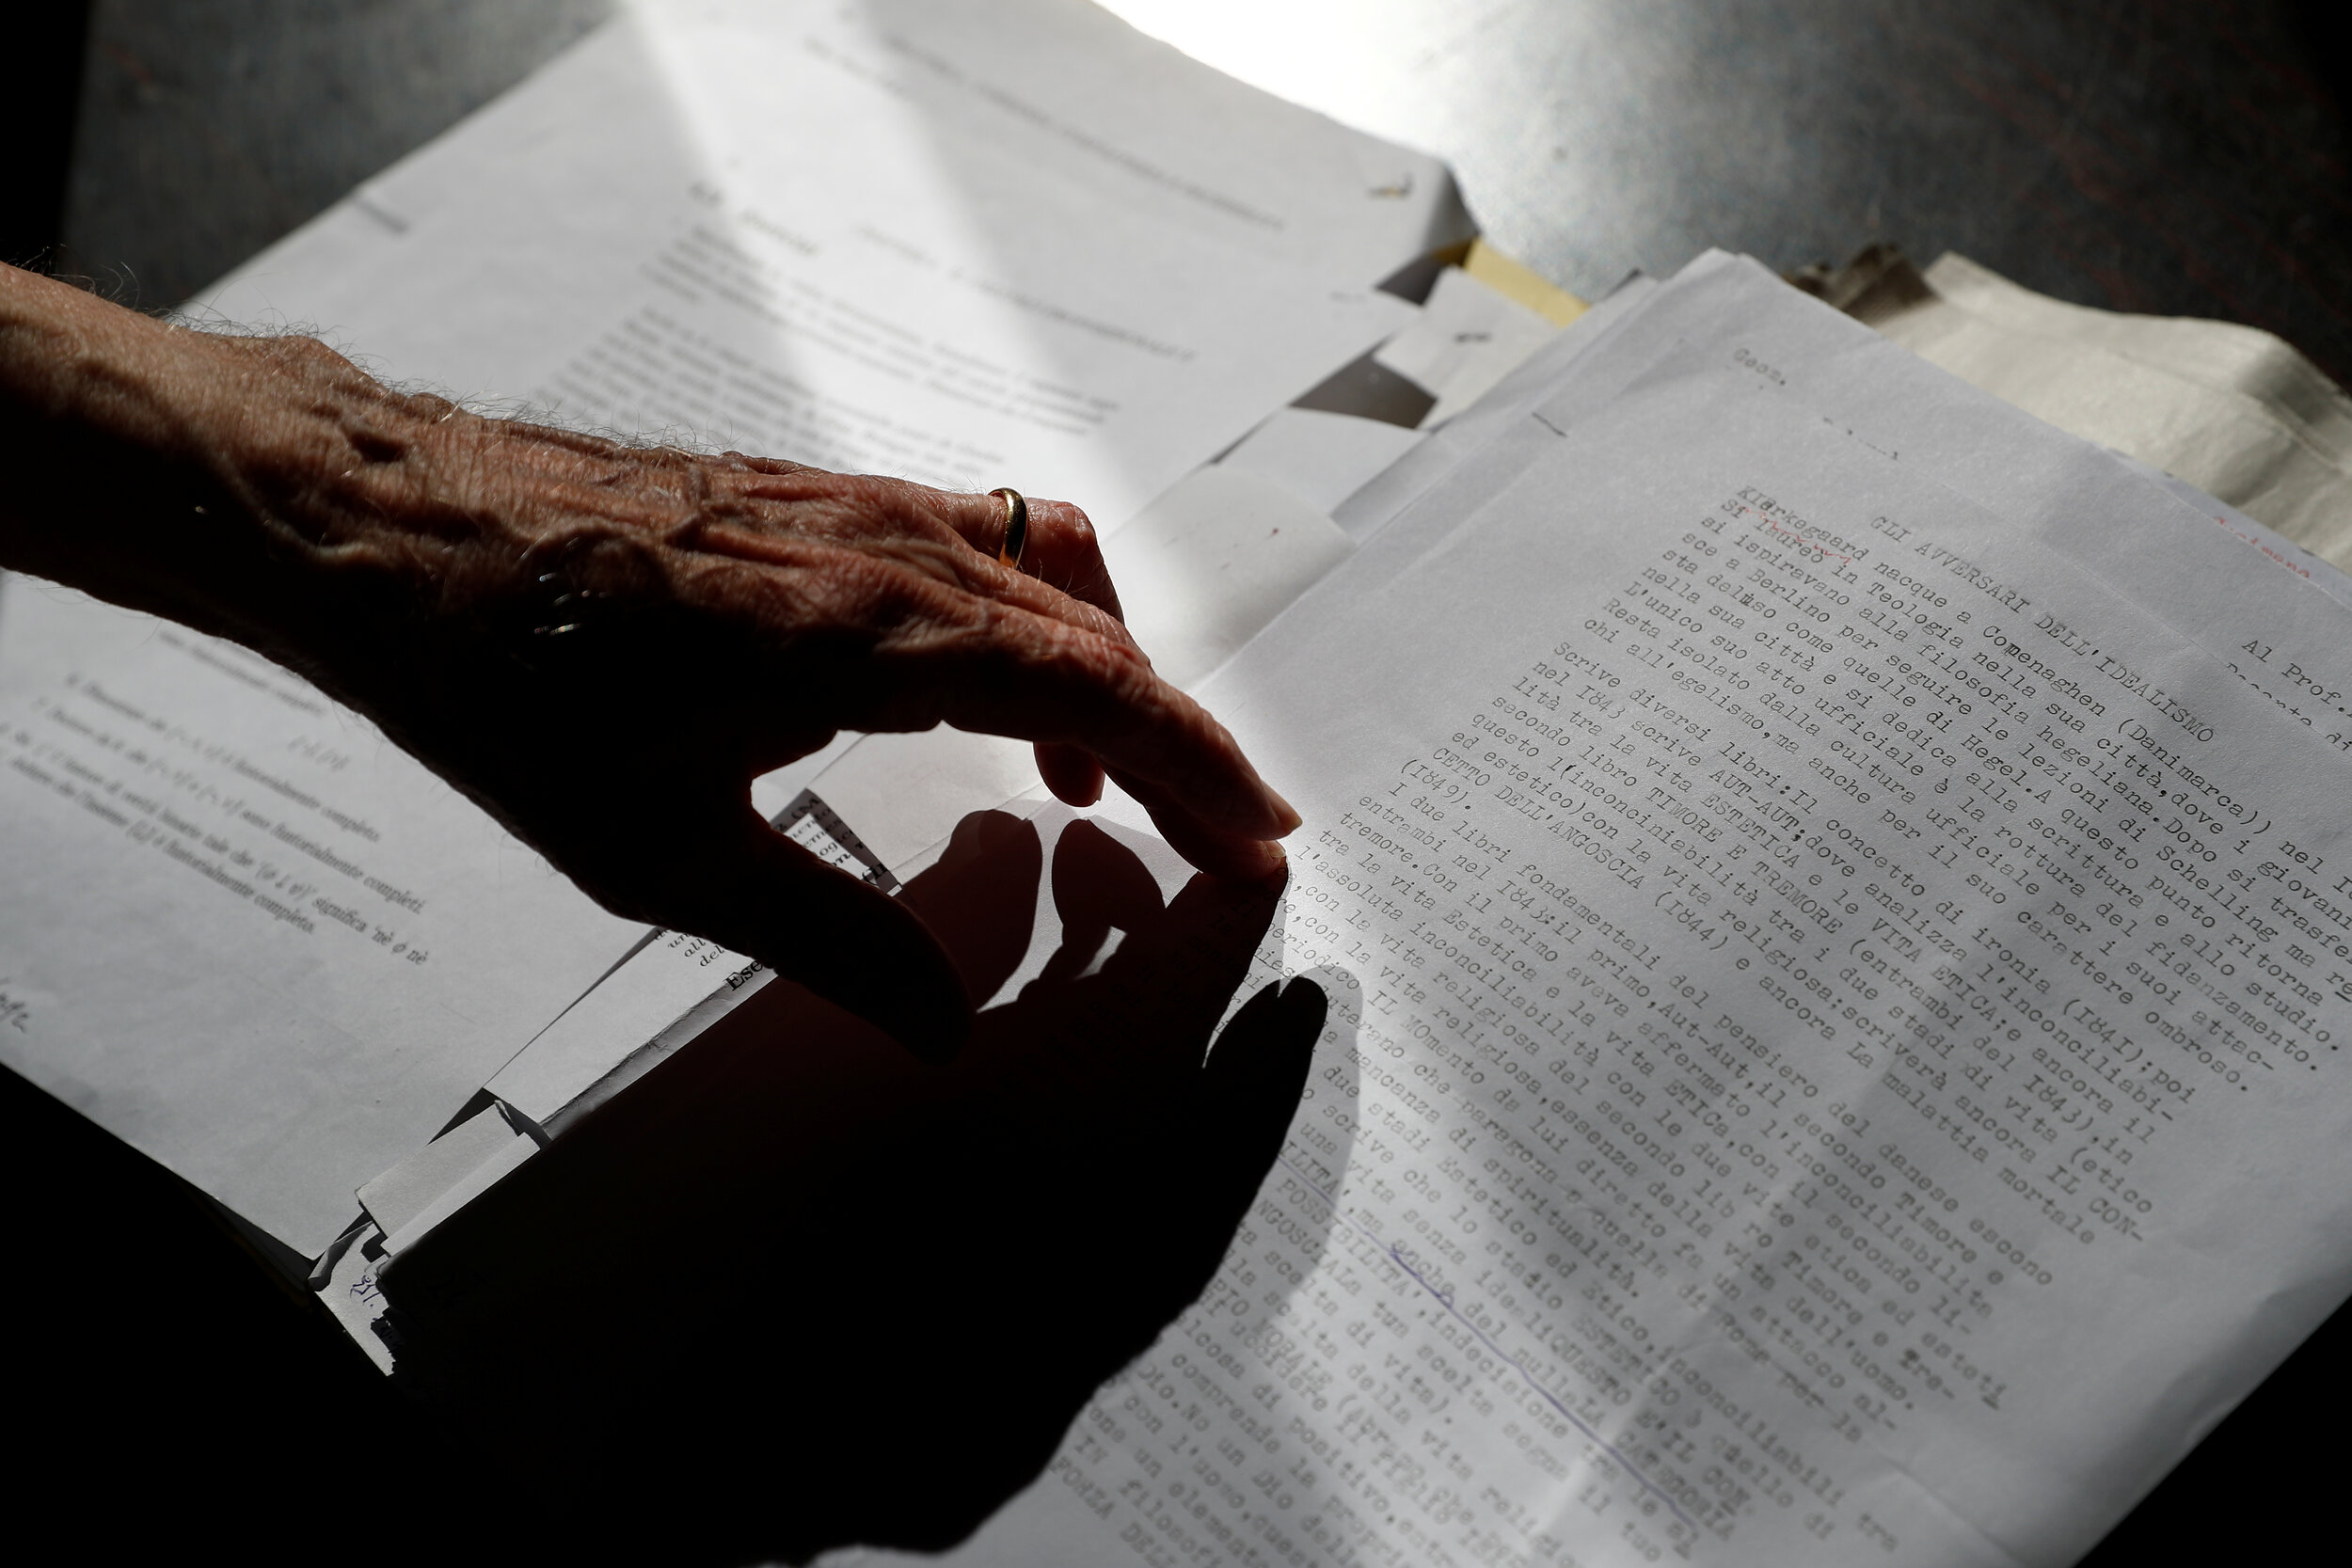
x: 849, y: 942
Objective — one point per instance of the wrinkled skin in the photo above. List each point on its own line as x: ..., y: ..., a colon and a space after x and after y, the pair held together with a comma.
x: 602, y: 645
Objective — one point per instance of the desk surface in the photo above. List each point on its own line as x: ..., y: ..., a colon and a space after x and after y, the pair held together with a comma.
x: 2177, y: 156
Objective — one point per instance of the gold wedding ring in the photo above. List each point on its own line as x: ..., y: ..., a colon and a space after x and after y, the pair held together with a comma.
x: 1016, y: 525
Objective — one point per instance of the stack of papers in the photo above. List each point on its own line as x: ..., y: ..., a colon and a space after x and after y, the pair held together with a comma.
x: 1827, y: 889
x: 1824, y: 880
x: 265, y: 947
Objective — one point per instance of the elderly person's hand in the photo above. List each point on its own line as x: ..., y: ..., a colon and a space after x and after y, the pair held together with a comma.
x: 602, y: 645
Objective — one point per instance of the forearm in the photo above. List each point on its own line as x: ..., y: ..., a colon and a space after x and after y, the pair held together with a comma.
x: 128, y: 449
x: 182, y: 472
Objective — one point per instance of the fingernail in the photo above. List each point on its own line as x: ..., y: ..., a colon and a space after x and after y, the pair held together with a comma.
x: 1284, y: 813
x: 1275, y: 861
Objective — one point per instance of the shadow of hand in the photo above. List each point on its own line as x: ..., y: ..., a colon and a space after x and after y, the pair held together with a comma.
x: 794, y: 1290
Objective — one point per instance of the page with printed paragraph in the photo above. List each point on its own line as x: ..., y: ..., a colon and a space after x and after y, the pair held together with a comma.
x: 246, y: 934
x: 1030, y: 248
x: 1839, y: 989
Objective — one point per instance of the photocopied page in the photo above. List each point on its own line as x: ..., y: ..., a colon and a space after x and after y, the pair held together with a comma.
x: 247, y: 935
x: 833, y: 233
x: 1836, y: 998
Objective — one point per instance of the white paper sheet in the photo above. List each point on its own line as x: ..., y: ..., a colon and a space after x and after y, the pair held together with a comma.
x: 1321, y: 458
x: 397, y: 1197
x: 1468, y: 338
x: 1208, y: 565
x: 245, y: 933
x: 835, y: 235
x: 1504, y: 409
x: 1787, y: 1103
x: 346, y: 1285
x: 1995, y: 453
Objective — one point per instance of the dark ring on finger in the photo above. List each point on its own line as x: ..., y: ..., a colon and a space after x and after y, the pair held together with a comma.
x: 1016, y: 526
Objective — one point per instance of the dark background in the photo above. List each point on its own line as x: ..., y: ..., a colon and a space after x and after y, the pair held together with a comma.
x: 2176, y: 156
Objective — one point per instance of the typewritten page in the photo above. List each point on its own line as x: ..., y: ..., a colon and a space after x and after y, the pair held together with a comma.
x: 1835, y: 1036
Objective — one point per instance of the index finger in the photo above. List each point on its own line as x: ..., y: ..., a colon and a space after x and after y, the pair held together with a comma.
x: 1002, y: 669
